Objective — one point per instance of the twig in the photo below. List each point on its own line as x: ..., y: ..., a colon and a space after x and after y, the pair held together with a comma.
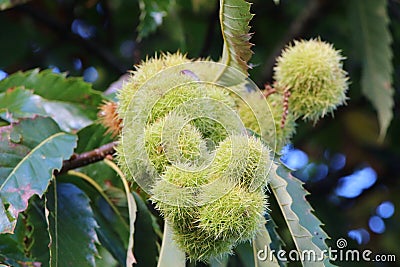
x: 86, y: 158
x: 298, y: 28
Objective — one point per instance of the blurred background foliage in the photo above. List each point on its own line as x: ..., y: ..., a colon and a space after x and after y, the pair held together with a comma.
x: 353, y: 178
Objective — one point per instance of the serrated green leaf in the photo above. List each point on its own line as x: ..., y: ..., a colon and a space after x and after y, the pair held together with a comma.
x: 5, y: 218
x: 263, y: 241
x: 219, y: 262
x: 132, y: 209
x: 105, y: 259
x: 13, y: 247
x: 57, y: 87
x: 31, y: 150
x: 113, y: 230
x: 276, y: 241
x: 21, y: 103
x: 304, y: 227
x: 5, y: 4
x: 170, y: 254
x: 145, y: 251
x: 39, y: 237
x: 92, y: 137
x: 263, y: 256
x: 72, y: 226
x: 234, y: 19
x: 373, y: 38
x: 244, y: 252
x: 152, y: 13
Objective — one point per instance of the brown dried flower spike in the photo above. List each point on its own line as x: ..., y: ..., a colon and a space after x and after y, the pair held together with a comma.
x: 109, y: 118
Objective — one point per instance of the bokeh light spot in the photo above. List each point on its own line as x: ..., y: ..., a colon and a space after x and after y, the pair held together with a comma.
x: 3, y: 75
x: 77, y: 64
x: 361, y: 236
x: 295, y: 159
x: 90, y: 75
x: 82, y: 29
x: 337, y: 162
x: 385, y: 210
x: 351, y: 186
x: 376, y: 224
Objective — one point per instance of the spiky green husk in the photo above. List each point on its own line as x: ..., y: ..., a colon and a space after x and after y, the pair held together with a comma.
x: 242, y: 159
x: 213, y: 129
x: 183, y: 89
x: 235, y: 216
x: 236, y: 205
x: 162, y: 147
x: 183, y: 213
x: 313, y: 73
x: 177, y: 205
x: 196, y: 95
x: 172, y: 99
x: 183, y: 194
x: 144, y: 72
x: 256, y: 118
x: 200, y: 246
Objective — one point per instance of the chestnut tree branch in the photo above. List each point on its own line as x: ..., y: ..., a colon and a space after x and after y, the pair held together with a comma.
x: 89, y: 157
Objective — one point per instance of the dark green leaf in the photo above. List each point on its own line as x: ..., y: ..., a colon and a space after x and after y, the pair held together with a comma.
x: 56, y: 87
x: 244, y: 252
x: 92, y: 137
x: 31, y: 150
x: 145, y: 249
x: 132, y: 209
x: 13, y: 247
x: 113, y: 230
x: 20, y: 103
x: 219, y: 262
x: 38, y: 236
x: 276, y: 241
x: 152, y: 13
x: 72, y: 226
x: 372, y: 35
x: 105, y: 259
